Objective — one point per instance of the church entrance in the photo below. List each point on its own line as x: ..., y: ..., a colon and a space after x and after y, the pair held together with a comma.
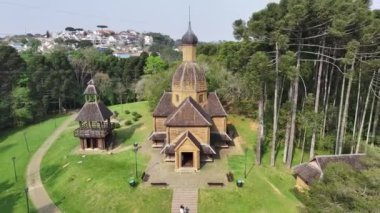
x: 187, y: 159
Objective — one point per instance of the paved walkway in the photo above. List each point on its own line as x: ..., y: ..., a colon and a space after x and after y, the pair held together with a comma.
x: 37, y: 192
x: 188, y: 197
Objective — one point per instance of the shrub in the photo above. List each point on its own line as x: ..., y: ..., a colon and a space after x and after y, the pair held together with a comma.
x: 135, y: 118
x: 136, y: 115
x: 117, y: 125
x: 115, y: 114
x: 128, y: 122
x: 127, y: 112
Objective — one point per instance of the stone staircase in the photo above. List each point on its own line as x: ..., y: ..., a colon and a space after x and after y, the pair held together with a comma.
x: 188, y: 197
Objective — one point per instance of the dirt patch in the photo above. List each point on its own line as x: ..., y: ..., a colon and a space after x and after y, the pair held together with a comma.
x: 253, y: 126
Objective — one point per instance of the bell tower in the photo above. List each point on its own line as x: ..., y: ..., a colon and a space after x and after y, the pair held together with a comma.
x: 189, y: 79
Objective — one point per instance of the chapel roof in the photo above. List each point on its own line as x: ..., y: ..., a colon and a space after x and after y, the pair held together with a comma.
x: 94, y: 111
x: 189, y: 38
x: 189, y: 113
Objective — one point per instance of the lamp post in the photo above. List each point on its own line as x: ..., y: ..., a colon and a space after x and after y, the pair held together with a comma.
x: 26, y: 142
x: 135, y: 148
x: 245, y: 164
x: 27, y: 199
x: 14, y: 167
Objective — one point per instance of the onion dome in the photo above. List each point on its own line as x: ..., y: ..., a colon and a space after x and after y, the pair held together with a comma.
x: 189, y: 77
x: 189, y: 38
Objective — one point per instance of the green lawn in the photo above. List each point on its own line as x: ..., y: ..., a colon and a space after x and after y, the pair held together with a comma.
x: 12, y: 144
x: 99, y: 183
x: 266, y: 189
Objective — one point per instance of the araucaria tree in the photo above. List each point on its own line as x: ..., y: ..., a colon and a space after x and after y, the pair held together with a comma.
x: 326, y: 48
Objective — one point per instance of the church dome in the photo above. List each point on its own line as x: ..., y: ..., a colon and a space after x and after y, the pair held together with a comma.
x: 189, y: 77
x: 189, y: 38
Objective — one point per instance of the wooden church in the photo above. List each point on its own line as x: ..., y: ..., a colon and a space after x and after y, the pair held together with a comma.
x: 95, y: 127
x: 189, y: 121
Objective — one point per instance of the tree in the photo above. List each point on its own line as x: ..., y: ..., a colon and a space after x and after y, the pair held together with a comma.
x: 343, y: 189
x: 255, y: 76
x: 154, y: 64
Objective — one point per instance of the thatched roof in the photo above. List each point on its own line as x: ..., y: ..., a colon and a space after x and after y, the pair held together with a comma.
x: 189, y: 114
x: 313, y: 170
x: 94, y: 111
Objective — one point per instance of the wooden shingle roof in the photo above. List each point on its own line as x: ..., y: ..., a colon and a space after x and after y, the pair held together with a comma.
x: 203, y: 148
x: 189, y: 114
x: 213, y: 106
x: 164, y: 107
x: 313, y: 170
x: 94, y: 111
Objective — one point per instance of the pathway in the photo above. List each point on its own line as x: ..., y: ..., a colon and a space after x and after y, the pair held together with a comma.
x: 37, y: 192
x: 188, y: 197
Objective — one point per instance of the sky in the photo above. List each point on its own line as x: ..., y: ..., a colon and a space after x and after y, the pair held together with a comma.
x: 211, y: 19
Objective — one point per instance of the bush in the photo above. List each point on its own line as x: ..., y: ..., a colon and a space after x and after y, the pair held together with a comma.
x: 127, y: 112
x: 117, y: 125
x: 128, y: 122
x: 115, y: 114
x: 136, y: 115
x: 135, y: 118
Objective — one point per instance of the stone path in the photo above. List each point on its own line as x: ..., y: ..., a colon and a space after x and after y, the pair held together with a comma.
x: 37, y: 192
x: 188, y: 197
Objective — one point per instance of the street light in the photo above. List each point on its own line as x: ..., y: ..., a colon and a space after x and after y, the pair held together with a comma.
x: 27, y: 199
x: 245, y: 164
x: 26, y: 142
x: 14, y: 167
x: 135, y: 148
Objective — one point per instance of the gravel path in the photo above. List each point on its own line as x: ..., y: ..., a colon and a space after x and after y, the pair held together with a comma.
x: 37, y: 192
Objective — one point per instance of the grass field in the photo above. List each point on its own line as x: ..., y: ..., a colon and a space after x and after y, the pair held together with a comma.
x: 12, y: 144
x: 99, y: 183
x: 266, y: 189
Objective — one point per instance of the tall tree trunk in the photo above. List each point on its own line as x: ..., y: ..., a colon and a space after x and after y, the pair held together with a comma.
x: 293, y: 122
x: 294, y: 111
x: 327, y: 103
x: 303, y: 145
x: 287, y: 133
x: 375, y: 122
x: 316, y: 107
x: 260, y: 138
x: 370, y: 122
x: 275, y: 104
x: 345, y: 111
x: 356, y: 111
x: 363, y: 119
x: 340, y: 116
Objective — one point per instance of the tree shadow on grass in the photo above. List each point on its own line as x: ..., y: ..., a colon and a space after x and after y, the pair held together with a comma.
x: 49, y: 172
x: 5, y: 148
x: 124, y: 134
x: 9, y: 196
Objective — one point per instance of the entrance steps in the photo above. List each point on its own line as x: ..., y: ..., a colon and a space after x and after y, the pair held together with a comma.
x: 188, y: 197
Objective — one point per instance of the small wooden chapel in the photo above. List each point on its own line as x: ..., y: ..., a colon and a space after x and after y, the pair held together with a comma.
x: 189, y: 122
x: 95, y: 127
